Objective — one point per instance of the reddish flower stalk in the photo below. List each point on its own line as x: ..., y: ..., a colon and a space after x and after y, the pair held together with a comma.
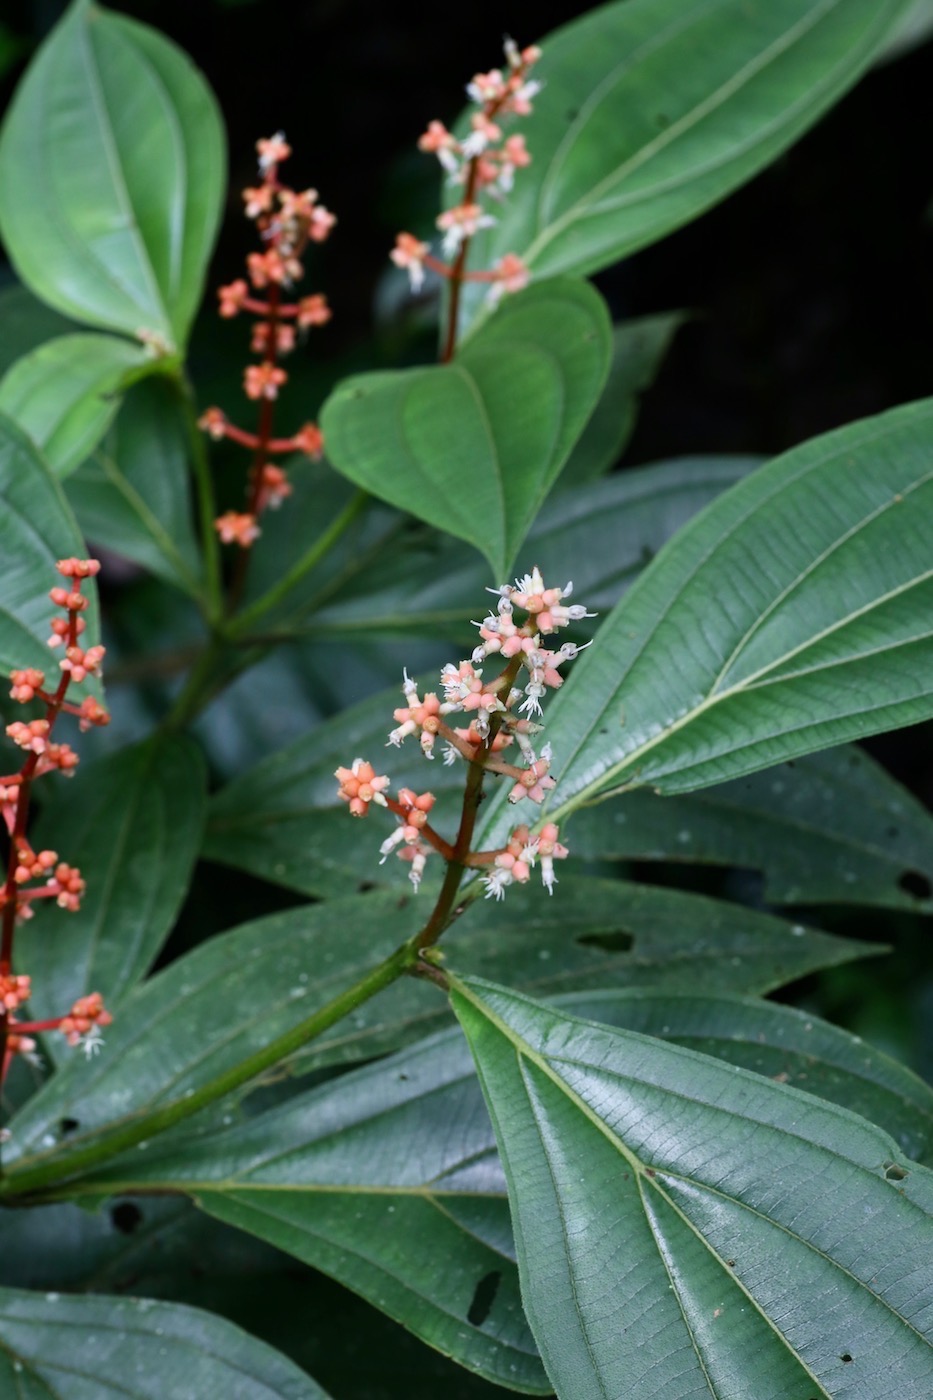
x: 482, y: 167
x: 63, y: 882
x: 287, y: 221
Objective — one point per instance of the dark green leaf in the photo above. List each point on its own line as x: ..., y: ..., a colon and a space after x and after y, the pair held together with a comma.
x: 711, y: 1208
x: 791, y: 615
x: 474, y: 447
x: 132, y: 824
x: 653, y: 110
x: 829, y: 828
x: 27, y: 323
x: 36, y: 529
x: 638, y: 348
x: 65, y: 394
x: 133, y: 495
x: 111, y: 176
x: 52, y: 1345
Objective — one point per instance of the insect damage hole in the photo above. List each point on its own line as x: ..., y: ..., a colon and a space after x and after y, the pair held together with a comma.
x: 126, y: 1217
x: 483, y: 1298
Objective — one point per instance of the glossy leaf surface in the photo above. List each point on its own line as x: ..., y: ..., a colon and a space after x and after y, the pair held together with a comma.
x: 651, y: 1182
x: 66, y: 393
x: 36, y: 529
x: 132, y: 823
x: 134, y: 494
x: 653, y: 110
x: 53, y: 1344
x: 797, y: 607
x: 474, y: 446
x: 392, y: 1170
x: 827, y: 828
x: 112, y: 175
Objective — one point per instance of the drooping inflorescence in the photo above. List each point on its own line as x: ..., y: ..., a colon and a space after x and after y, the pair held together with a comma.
x: 287, y: 222
x: 483, y: 166
x: 32, y: 875
x: 497, y: 720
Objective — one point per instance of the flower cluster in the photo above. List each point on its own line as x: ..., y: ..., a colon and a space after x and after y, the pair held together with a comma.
x: 30, y: 874
x: 483, y: 165
x: 497, y: 721
x: 287, y: 221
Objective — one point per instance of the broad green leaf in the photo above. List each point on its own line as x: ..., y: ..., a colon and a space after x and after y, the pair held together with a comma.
x: 791, y: 615
x: 93, y: 1347
x: 473, y: 447
x: 394, y: 1168
x: 133, y: 496
x: 711, y: 1208
x: 638, y: 348
x: 653, y: 110
x: 27, y: 323
x: 387, y: 1180
x: 112, y: 175
x: 914, y: 26
x: 203, y: 1015
x: 827, y: 828
x: 36, y: 529
x: 66, y: 393
x: 132, y: 824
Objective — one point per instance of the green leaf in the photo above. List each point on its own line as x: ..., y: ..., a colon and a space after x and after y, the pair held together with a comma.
x: 36, y: 529
x: 913, y: 27
x: 638, y: 348
x: 27, y: 323
x: 827, y: 828
x: 474, y: 447
x: 132, y: 823
x: 393, y: 1168
x: 53, y: 1344
x: 133, y: 496
x: 66, y: 393
x: 112, y: 175
x: 714, y: 1210
x: 653, y: 110
x: 791, y: 615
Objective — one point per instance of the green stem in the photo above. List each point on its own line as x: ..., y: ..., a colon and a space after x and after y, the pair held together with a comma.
x: 302, y: 567
x: 207, y: 504
x: 199, y: 686
x: 148, y: 1125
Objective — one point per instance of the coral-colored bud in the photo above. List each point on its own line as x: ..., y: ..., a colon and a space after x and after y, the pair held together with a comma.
x: 25, y: 684
x: 310, y: 440
x: 214, y: 422
x: 313, y: 311
x: 263, y: 381
x: 234, y: 527
x: 78, y: 568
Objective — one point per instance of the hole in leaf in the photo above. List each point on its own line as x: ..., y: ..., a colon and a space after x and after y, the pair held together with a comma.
x: 483, y: 1298
x: 126, y: 1217
x: 68, y: 1125
x: 913, y: 882
x: 892, y: 1172
x: 845, y: 1356
x: 618, y: 941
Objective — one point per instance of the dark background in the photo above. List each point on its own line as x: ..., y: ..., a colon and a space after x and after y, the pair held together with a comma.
x: 811, y: 300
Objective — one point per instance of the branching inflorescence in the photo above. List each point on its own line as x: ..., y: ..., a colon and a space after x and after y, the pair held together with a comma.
x: 500, y: 712
x: 483, y: 164
x: 287, y: 221
x: 60, y: 881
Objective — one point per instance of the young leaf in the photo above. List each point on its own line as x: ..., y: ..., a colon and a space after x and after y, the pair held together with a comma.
x: 132, y: 823
x: 797, y: 608
x: 36, y: 529
x: 473, y: 447
x: 55, y: 1344
x: 66, y: 393
x: 653, y: 110
x: 133, y: 496
x: 827, y: 828
x: 111, y: 176
x: 655, y: 1184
